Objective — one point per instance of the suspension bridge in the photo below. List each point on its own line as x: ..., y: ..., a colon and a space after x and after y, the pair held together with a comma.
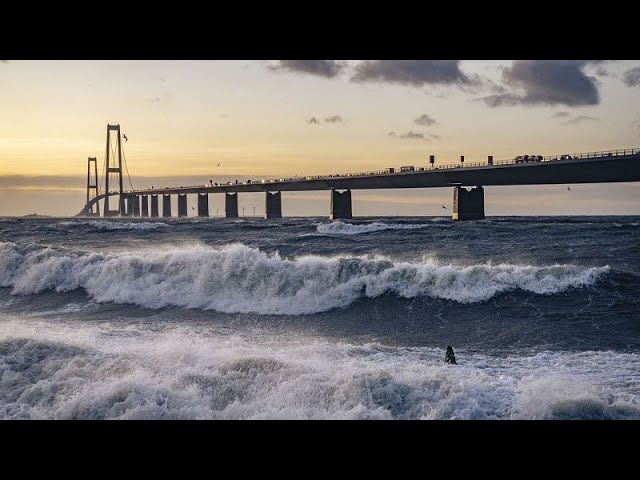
x: 467, y: 179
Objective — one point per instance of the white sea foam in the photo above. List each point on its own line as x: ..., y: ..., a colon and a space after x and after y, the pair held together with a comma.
x: 340, y: 228
x: 107, y: 225
x: 80, y: 371
x: 633, y: 224
x: 237, y: 278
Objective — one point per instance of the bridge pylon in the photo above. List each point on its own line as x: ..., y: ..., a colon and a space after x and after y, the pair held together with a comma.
x: 113, y: 165
x: 92, y: 185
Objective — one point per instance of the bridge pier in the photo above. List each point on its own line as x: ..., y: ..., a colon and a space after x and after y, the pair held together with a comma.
x: 468, y: 204
x: 340, y: 205
x: 182, y: 205
x: 231, y: 205
x: 166, y: 205
x: 273, y: 205
x: 203, y: 204
x: 133, y: 206
x: 154, y: 205
x: 145, y: 205
x: 136, y: 205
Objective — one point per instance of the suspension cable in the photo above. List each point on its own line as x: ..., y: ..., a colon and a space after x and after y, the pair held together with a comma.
x: 126, y: 167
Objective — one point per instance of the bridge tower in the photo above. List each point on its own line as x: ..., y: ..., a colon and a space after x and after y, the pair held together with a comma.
x: 89, y: 210
x: 113, y: 165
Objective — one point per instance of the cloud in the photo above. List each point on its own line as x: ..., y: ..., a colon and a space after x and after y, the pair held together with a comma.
x: 415, y: 136
x: 320, y: 68
x: 5, y: 61
x: 412, y: 136
x: 425, y: 120
x: 333, y: 119
x: 547, y: 82
x: 561, y: 114
x: 313, y: 121
x: 581, y: 118
x: 602, y: 72
x: 415, y: 73
x: 631, y: 77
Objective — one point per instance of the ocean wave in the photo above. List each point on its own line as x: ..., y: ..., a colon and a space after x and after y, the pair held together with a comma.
x: 107, y: 225
x: 62, y: 372
x: 621, y: 225
x: 240, y: 279
x: 340, y: 228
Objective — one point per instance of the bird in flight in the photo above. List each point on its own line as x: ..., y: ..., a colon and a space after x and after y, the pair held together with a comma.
x: 444, y: 207
x: 125, y: 137
x: 568, y: 189
x: 218, y: 165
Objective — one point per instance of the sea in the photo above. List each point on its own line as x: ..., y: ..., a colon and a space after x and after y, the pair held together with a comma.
x: 306, y: 318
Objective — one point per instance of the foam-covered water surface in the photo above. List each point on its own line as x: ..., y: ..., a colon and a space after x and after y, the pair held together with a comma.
x: 306, y: 318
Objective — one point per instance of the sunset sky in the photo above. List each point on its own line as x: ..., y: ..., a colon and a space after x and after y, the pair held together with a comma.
x: 262, y: 119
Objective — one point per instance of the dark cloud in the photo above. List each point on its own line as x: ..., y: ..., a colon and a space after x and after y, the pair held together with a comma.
x: 333, y: 119
x: 547, y: 82
x: 415, y: 136
x: 632, y: 77
x: 313, y: 121
x: 561, y: 114
x: 412, y: 136
x: 425, y: 120
x: 411, y: 72
x: 320, y: 68
x: 581, y: 118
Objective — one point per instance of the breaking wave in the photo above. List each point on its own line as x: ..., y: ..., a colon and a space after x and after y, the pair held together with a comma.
x: 240, y: 279
x: 106, y: 225
x: 341, y: 228
x: 181, y: 374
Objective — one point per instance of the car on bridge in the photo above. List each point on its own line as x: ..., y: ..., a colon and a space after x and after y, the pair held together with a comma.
x: 528, y: 158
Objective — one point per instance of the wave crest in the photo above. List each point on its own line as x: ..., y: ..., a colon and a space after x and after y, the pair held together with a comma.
x: 339, y: 228
x: 240, y: 279
x: 107, y: 225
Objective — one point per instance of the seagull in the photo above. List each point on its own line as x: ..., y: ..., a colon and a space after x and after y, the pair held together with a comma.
x: 125, y: 137
x: 568, y: 189
x: 444, y: 207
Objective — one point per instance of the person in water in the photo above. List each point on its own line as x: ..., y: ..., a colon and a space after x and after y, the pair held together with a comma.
x: 450, y: 357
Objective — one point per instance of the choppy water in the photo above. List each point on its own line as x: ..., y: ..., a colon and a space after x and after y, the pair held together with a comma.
x: 306, y: 318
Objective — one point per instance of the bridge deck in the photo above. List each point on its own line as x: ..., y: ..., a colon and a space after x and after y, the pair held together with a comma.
x: 599, y: 167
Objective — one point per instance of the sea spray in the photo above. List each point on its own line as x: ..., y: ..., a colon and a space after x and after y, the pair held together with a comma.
x: 240, y: 279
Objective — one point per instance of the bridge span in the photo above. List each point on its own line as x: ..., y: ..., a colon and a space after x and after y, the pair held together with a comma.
x: 593, y: 167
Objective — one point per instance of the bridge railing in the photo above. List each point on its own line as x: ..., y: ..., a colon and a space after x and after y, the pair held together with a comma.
x: 430, y: 168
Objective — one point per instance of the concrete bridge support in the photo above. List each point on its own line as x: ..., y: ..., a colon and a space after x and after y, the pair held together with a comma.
x: 203, y: 205
x: 182, y: 205
x: 340, y: 205
x: 231, y: 205
x: 273, y: 205
x: 133, y: 206
x: 468, y: 204
x: 145, y: 205
x: 154, y: 206
x: 166, y: 205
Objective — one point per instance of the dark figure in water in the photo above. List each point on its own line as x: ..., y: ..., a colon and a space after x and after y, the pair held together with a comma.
x: 450, y: 356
